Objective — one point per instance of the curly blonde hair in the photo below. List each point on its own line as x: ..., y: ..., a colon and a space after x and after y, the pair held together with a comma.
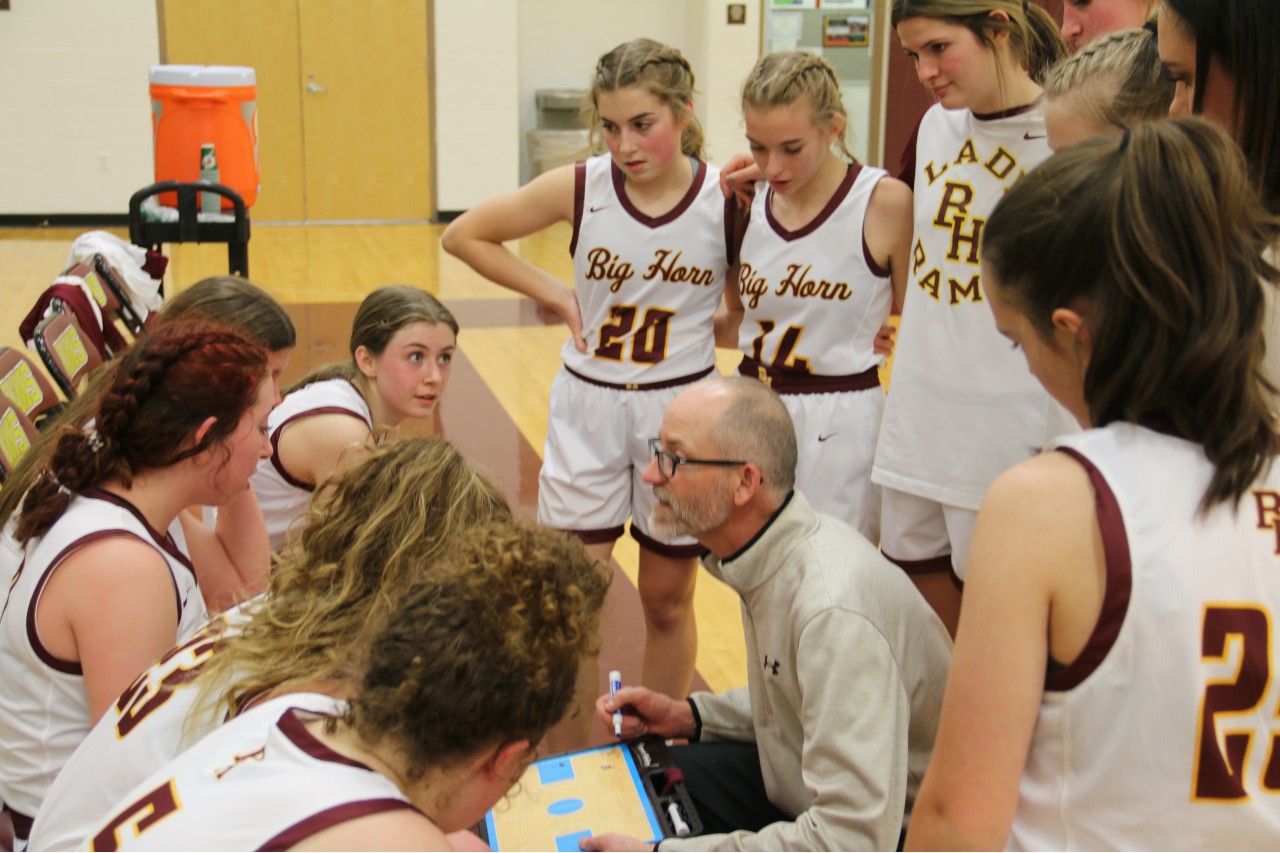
x: 371, y: 533
x: 483, y: 651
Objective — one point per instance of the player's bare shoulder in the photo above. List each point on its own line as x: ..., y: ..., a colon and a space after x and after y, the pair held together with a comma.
x: 398, y: 829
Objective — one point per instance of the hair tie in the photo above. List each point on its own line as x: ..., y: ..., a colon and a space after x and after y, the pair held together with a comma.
x: 1124, y: 140
x: 1151, y: 27
x: 95, y: 441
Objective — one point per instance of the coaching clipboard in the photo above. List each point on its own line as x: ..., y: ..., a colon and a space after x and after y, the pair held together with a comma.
x: 618, y: 788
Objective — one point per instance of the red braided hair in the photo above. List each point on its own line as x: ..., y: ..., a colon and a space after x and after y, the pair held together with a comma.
x: 165, y: 387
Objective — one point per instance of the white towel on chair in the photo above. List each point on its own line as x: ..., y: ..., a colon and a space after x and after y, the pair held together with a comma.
x: 127, y: 260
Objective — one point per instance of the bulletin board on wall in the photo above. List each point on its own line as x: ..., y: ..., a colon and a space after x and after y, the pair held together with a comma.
x: 843, y: 32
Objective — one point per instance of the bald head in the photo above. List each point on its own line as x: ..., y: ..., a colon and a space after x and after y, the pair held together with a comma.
x: 742, y: 419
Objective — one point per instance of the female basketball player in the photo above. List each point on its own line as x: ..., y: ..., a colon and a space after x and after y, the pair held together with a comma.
x: 1114, y: 83
x: 402, y: 344
x: 380, y: 528
x: 651, y: 254
x: 1115, y: 650
x: 103, y: 590
x: 962, y: 407
x: 504, y: 622
x: 815, y: 299
x: 1085, y: 20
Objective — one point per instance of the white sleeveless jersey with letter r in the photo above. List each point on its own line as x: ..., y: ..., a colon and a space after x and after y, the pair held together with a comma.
x: 963, y: 406
x: 1165, y: 733
x: 647, y: 287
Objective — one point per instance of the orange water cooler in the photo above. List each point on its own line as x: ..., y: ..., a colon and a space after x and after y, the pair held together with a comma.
x: 192, y: 105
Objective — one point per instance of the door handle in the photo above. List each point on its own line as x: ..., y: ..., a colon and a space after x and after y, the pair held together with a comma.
x: 316, y: 88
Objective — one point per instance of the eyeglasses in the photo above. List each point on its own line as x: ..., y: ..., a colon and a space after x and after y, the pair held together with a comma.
x: 669, y: 462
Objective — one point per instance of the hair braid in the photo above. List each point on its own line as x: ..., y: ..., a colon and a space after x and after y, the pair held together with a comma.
x: 166, y: 387
x: 782, y: 79
x: 660, y: 70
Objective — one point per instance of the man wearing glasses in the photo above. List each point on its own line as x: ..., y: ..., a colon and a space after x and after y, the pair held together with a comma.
x: 826, y: 746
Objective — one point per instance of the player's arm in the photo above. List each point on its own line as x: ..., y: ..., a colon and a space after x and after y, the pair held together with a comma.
x: 313, y: 449
x: 728, y: 317
x: 233, y: 558
x: 478, y: 235
x: 110, y: 605
x: 1035, y: 542
x: 888, y: 228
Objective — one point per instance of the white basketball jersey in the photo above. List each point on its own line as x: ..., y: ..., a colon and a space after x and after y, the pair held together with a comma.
x: 283, y: 498
x: 151, y: 723
x: 44, y: 712
x: 1164, y: 735
x: 813, y: 302
x: 647, y: 287
x: 260, y: 782
x: 962, y: 406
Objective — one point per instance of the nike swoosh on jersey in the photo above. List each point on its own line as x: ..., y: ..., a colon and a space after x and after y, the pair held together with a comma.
x: 825, y: 437
x: 1029, y: 136
x: 594, y: 209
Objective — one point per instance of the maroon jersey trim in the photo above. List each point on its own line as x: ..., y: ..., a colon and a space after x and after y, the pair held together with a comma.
x: 619, y: 188
x: 48, y: 658
x: 275, y: 441
x: 823, y: 215
x: 797, y: 382
x: 1009, y: 113
x: 296, y: 731
x: 163, y: 540
x: 579, y: 196
x: 331, y: 817
x: 872, y: 265
x: 1119, y: 584
x: 733, y: 230
x: 665, y: 549
x: 930, y: 566
x: 596, y: 537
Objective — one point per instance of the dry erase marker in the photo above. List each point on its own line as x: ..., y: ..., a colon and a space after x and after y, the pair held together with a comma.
x: 615, y: 684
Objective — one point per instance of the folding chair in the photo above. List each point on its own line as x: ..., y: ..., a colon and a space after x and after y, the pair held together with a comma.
x: 24, y: 384
x: 126, y: 312
x: 62, y: 347
x: 17, y: 435
x: 108, y: 292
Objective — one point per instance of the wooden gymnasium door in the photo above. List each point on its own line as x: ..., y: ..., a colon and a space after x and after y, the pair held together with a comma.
x: 343, y: 99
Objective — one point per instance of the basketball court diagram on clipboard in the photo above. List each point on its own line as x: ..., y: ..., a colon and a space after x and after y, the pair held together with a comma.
x: 561, y: 799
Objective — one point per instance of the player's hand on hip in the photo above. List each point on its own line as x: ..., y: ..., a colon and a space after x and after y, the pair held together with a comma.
x: 610, y: 841
x: 884, y: 341
x: 645, y: 712
x: 571, y: 313
x: 738, y: 177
